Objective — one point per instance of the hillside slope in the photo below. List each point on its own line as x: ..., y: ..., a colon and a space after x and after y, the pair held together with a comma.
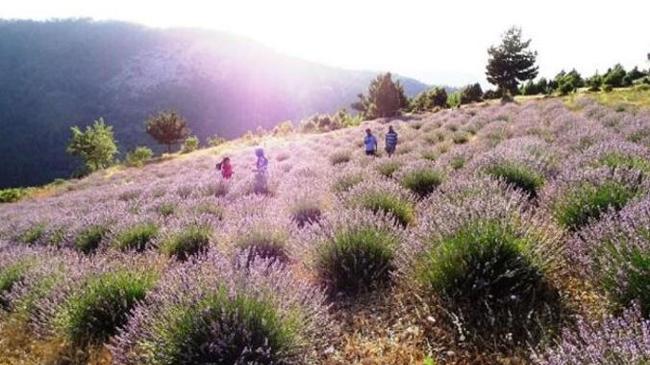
x: 61, y: 73
x: 483, y: 238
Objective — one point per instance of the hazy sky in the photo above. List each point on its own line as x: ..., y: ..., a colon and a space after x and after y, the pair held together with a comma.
x: 439, y: 42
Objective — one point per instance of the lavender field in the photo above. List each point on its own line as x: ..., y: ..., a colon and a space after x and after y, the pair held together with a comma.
x: 514, y: 234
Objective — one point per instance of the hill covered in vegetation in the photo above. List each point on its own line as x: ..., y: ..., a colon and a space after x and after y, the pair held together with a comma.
x: 511, y: 233
x: 58, y: 74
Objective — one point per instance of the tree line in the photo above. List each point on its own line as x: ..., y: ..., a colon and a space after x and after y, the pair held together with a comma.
x: 97, y: 147
x: 511, y: 68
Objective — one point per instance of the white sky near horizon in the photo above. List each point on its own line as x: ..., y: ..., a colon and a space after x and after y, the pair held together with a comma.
x: 438, y: 42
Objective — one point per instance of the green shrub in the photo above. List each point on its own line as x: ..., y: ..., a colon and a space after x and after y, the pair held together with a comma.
x: 191, y: 144
x: 340, y: 157
x: 263, y: 244
x: 139, y: 156
x: 88, y: 240
x: 588, y: 202
x: 166, y: 209
x: 256, y: 333
x: 388, y: 168
x: 305, y: 211
x: 283, y: 129
x: 632, y: 264
x: 210, y: 209
x: 517, y: 176
x: 10, y: 275
x: 430, y: 155
x: 483, y: 272
x: 12, y: 195
x: 434, y: 137
x: 356, y: 260
x: 33, y: 234
x: 189, y: 241
x: 96, y: 312
x: 460, y: 137
x: 458, y: 162
x: 216, y: 140
x: 385, y: 202
x: 618, y: 160
x: 346, y: 182
x: 136, y: 237
x: 422, y: 181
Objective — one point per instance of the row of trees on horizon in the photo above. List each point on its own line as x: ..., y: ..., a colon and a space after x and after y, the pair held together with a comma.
x: 511, y: 68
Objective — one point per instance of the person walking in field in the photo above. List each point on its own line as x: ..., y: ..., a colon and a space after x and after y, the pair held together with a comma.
x: 226, y: 168
x: 391, y: 141
x: 261, y: 172
x: 370, y: 142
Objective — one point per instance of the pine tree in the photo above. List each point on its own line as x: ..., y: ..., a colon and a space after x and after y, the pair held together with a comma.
x: 168, y: 128
x: 385, y: 98
x: 471, y: 93
x: 511, y: 62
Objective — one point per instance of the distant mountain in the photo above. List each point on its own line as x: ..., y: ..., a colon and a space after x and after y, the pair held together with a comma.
x: 61, y: 73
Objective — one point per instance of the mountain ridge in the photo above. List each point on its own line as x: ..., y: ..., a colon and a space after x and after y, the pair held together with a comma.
x: 70, y: 72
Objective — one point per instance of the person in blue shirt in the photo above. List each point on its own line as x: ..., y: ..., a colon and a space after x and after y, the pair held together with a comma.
x: 261, y: 168
x: 391, y: 141
x: 371, y: 143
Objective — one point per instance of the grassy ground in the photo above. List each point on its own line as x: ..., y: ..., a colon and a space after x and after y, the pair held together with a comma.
x: 636, y: 97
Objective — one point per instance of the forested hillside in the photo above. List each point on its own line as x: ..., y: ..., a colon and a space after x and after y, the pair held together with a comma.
x: 61, y: 73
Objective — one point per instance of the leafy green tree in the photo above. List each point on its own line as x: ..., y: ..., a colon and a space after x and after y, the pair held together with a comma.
x: 634, y: 74
x: 491, y: 94
x: 614, y: 76
x: 566, y: 86
x: 439, y: 97
x: 168, y: 128
x: 429, y: 99
x: 529, y: 88
x: 511, y: 62
x: 454, y: 99
x: 385, y: 98
x: 595, y: 82
x: 471, y: 93
x: 575, y: 78
x: 96, y: 145
x: 558, y: 78
x: 542, y: 86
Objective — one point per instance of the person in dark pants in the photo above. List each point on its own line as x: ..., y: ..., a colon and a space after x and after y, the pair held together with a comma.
x: 391, y: 141
x: 371, y: 143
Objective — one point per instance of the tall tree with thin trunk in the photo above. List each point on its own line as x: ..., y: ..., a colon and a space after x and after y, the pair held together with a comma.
x: 511, y: 62
x: 167, y: 128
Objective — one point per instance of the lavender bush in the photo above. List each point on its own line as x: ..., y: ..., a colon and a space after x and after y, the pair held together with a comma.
x: 578, y: 197
x: 621, y: 340
x: 208, y: 312
x: 490, y: 263
x: 89, y: 305
x: 616, y: 254
x: 454, y: 222
x: 353, y: 251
